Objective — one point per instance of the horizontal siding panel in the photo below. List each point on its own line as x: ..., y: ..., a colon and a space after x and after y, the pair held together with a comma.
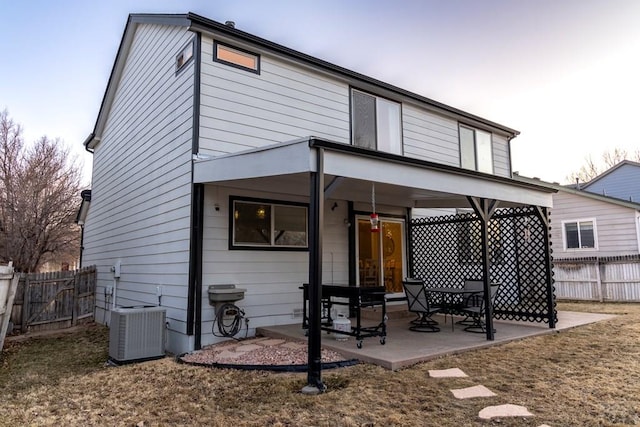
x: 243, y: 110
x: 272, y: 278
x: 501, y: 160
x: 140, y: 209
x: 430, y: 137
x: 616, y: 227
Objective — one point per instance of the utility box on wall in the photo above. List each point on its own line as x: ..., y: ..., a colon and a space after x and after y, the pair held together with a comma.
x: 221, y: 294
x: 136, y: 334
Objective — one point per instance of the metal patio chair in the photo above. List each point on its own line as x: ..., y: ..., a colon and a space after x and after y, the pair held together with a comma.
x: 474, y: 307
x: 418, y: 302
x: 472, y: 299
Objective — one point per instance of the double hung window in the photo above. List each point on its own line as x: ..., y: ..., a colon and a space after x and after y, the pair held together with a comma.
x: 579, y: 234
x: 376, y: 123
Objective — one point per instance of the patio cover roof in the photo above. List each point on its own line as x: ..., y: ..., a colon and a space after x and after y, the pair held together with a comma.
x: 349, y: 172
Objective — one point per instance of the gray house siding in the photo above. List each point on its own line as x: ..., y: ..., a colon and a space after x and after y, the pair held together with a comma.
x: 242, y: 110
x: 272, y: 278
x: 140, y: 213
x: 501, y: 159
x: 616, y: 226
x: 622, y: 182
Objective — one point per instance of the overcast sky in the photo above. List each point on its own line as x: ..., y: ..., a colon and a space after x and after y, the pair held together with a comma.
x: 566, y: 74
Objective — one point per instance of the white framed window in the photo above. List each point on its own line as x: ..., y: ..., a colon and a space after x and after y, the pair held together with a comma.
x: 579, y: 234
x: 376, y: 123
x: 476, y: 149
x: 256, y: 223
x: 236, y: 57
x: 184, y: 56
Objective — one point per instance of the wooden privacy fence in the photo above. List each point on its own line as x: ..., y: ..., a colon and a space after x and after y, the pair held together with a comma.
x: 54, y: 300
x: 598, y: 279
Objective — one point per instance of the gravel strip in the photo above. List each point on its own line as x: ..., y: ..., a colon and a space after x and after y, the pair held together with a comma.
x: 258, y: 351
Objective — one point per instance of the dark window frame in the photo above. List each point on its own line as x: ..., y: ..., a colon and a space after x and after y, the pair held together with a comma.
x: 233, y: 64
x: 272, y: 203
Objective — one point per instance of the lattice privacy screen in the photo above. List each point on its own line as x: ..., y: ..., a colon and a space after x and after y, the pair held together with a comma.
x: 446, y: 250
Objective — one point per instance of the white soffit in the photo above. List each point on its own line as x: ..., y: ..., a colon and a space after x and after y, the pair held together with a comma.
x: 415, y: 176
x: 282, y: 159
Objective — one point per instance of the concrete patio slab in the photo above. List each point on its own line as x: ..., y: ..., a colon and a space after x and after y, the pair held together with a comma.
x: 502, y: 411
x: 447, y: 373
x: 404, y: 348
x: 471, y: 392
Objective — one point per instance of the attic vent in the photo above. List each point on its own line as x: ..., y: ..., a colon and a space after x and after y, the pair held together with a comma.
x: 230, y: 24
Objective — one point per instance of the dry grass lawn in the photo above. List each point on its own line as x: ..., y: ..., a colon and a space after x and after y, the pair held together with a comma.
x: 588, y: 376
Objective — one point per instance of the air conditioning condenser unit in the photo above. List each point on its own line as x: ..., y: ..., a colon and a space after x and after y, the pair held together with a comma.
x: 136, y: 334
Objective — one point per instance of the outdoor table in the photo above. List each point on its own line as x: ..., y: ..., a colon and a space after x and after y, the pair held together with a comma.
x: 451, y: 299
x: 358, y: 297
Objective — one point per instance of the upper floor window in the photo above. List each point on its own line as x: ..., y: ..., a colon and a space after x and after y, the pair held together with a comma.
x: 376, y: 123
x: 236, y: 57
x: 184, y: 56
x: 264, y: 224
x: 580, y: 234
x: 475, y: 149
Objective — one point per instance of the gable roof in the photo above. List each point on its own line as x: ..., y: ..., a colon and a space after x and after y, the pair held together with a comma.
x: 611, y: 170
x: 572, y: 190
x: 199, y: 23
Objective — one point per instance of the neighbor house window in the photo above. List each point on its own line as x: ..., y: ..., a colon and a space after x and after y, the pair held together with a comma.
x: 475, y: 149
x: 236, y: 57
x: 376, y: 123
x: 184, y: 56
x: 579, y: 234
x: 265, y: 224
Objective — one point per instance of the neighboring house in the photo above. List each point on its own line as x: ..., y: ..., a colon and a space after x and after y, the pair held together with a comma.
x: 621, y: 181
x: 223, y: 158
x: 594, y: 235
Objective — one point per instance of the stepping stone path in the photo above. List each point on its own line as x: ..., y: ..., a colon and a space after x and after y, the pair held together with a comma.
x: 475, y: 391
x: 499, y: 411
x: 447, y: 373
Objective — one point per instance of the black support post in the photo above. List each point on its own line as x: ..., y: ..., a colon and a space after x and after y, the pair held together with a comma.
x: 485, y: 208
x: 316, y: 223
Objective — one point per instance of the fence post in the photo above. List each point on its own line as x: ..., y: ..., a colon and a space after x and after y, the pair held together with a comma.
x: 602, y: 284
x: 26, y: 304
x: 76, y: 291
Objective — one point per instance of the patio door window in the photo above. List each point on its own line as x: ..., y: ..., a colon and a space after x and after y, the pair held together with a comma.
x: 381, y: 255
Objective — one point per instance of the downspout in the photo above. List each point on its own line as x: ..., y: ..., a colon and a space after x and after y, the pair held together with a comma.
x: 81, y: 244
x: 316, y: 223
x: 352, y: 227
x: 194, y: 291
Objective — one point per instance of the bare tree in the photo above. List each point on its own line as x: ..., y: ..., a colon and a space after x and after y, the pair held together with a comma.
x: 39, y: 186
x: 610, y: 158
